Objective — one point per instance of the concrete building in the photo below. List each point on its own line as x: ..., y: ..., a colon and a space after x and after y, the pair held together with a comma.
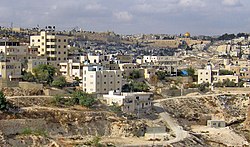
x: 162, y: 60
x: 12, y: 55
x: 96, y: 58
x: 210, y: 75
x: 33, y: 63
x: 125, y: 58
x: 13, y: 50
x: 100, y: 81
x: 216, y: 123
x: 128, y: 68
x: 130, y: 102
x: 10, y: 70
x: 149, y: 72
x: 51, y: 45
x: 72, y: 69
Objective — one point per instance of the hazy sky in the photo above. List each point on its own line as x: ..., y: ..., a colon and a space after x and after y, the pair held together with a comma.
x: 203, y: 17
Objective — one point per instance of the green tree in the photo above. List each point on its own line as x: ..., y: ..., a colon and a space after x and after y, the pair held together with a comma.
x: 135, y: 87
x: 161, y: 75
x: 228, y: 83
x: 3, y: 102
x: 82, y: 98
x: 226, y: 72
x: 135, y: 74
x: 115, y: 108
x: 59, y: 82
x: 44, y: 73
x: 28, y: 76
x: 190, y: 71
x: 203, y: 87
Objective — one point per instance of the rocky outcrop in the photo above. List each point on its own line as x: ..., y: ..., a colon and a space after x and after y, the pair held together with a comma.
x: 247, y: 121
x: 17, y: 91
x: 128, y: 128
x: 2, y: 139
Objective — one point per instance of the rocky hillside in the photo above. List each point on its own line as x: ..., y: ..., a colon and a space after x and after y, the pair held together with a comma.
x: 247, y: 122
x: 193, y: 111
x: 38, y: 123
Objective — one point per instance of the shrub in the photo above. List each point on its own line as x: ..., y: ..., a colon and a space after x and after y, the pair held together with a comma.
x: 59, y: 82
x: 82, y: 98
x: 3, y: 102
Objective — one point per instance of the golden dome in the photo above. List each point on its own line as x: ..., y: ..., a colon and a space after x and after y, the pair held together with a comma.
x: 187, y: 34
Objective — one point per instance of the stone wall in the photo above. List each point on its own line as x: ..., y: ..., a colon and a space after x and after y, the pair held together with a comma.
x: 17, y: 126
x: 177, y: 92
x: 54, y: 91
x: 182, y: 79
x: 6, y: 83
x: 231, y: 89
x: 30, y: 85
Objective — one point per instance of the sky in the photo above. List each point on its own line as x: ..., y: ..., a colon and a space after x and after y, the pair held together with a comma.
x: 199, y: 17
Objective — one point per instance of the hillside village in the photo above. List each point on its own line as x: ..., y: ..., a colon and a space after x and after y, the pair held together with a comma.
x: 76, y: 88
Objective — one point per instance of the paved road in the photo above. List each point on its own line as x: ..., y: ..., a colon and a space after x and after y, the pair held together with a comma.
x: 180, y: 134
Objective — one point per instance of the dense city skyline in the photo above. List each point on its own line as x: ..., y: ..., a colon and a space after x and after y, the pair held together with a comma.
x: 200, y: 17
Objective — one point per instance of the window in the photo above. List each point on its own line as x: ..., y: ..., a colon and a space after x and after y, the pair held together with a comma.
x: 104, y: 82
x: 33, y: 40
x: 38, y: 40
x: 111, y: 82
x: 118, y: 82
x: 206, y: 73
x: 59, y: 40
x: 104, y: 75
x: 64, y: 46
x: 65, y: 40
x: 42, y: 43
x: 42, y: 37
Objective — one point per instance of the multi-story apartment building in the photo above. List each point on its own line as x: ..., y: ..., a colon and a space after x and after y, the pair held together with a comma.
x: 100, y: 81
x: 33, y: 63
x: 210, y: 75
x: 72, y: 69
x: 13, y: 51
x: 10, y: 70
x: 52, y: 46
x: 12, y: 55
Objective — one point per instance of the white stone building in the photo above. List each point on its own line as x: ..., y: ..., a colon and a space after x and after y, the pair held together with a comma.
x: 130, y: 102
x: 100, y: 81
